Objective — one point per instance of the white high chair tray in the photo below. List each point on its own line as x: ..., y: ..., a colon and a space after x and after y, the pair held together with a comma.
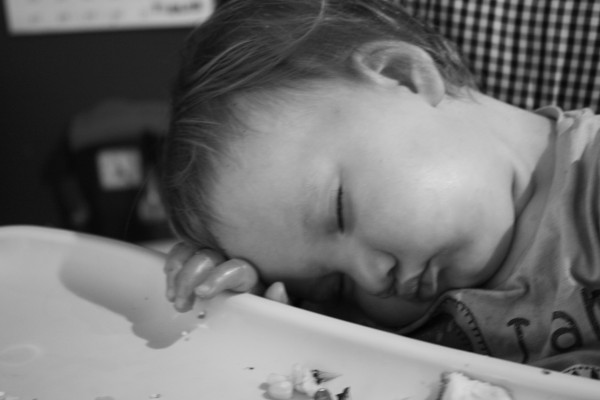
x: 85, y: 318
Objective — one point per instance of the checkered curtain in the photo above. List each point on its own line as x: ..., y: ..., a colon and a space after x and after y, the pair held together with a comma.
x: 530, y: 53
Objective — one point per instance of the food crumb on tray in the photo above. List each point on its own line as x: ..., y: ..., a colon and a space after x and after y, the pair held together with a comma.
x: 458, y: 386
x: 6, y: 396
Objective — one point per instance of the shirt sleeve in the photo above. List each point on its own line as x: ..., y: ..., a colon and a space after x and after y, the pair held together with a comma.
x: 582, y: 221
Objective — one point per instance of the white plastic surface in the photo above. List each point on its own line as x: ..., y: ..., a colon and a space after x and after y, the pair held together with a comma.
x: 84, y: 318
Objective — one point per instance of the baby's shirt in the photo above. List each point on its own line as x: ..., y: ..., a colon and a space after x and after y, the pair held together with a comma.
x: 548, y: 312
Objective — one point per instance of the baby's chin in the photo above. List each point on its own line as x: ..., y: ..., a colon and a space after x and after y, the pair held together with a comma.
x: 393, y: 311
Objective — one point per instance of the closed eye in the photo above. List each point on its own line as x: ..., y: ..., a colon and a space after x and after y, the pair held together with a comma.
x: 340, y: 209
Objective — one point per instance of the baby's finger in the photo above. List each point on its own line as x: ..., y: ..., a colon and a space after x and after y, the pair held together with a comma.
x: 277, y: 292
x: 234, y: 274
x: 176, y: 258
x: 193, y: 273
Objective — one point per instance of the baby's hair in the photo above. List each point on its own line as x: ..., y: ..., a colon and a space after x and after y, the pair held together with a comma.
x: 255, y: 47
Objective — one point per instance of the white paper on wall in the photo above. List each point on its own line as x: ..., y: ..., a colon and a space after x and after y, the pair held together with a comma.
x: 64, y: 16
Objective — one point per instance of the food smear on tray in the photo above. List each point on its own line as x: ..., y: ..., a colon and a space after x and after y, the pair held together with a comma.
x: 309, y: 382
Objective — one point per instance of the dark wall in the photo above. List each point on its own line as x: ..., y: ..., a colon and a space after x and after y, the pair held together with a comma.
x: 46, y: 80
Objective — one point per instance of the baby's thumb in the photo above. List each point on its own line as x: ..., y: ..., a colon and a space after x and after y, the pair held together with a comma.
x: 277, y: 292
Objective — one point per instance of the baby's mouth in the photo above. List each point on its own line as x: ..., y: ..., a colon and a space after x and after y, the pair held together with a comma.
x: 388, y: 292
x: 428, y: 283
x: 409, y: 288
x: 420, y: 287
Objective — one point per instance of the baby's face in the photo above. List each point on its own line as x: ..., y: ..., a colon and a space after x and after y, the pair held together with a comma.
x: 367, y: 190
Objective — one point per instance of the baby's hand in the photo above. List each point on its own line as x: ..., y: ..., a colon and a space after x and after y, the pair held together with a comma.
x: 206, y: 273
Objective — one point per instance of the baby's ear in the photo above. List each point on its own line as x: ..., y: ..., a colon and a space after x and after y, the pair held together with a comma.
x: 401, y: 63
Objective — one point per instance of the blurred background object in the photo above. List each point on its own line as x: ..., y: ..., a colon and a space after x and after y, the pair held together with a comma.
x: 83, y: 112
x: 106, y: 182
